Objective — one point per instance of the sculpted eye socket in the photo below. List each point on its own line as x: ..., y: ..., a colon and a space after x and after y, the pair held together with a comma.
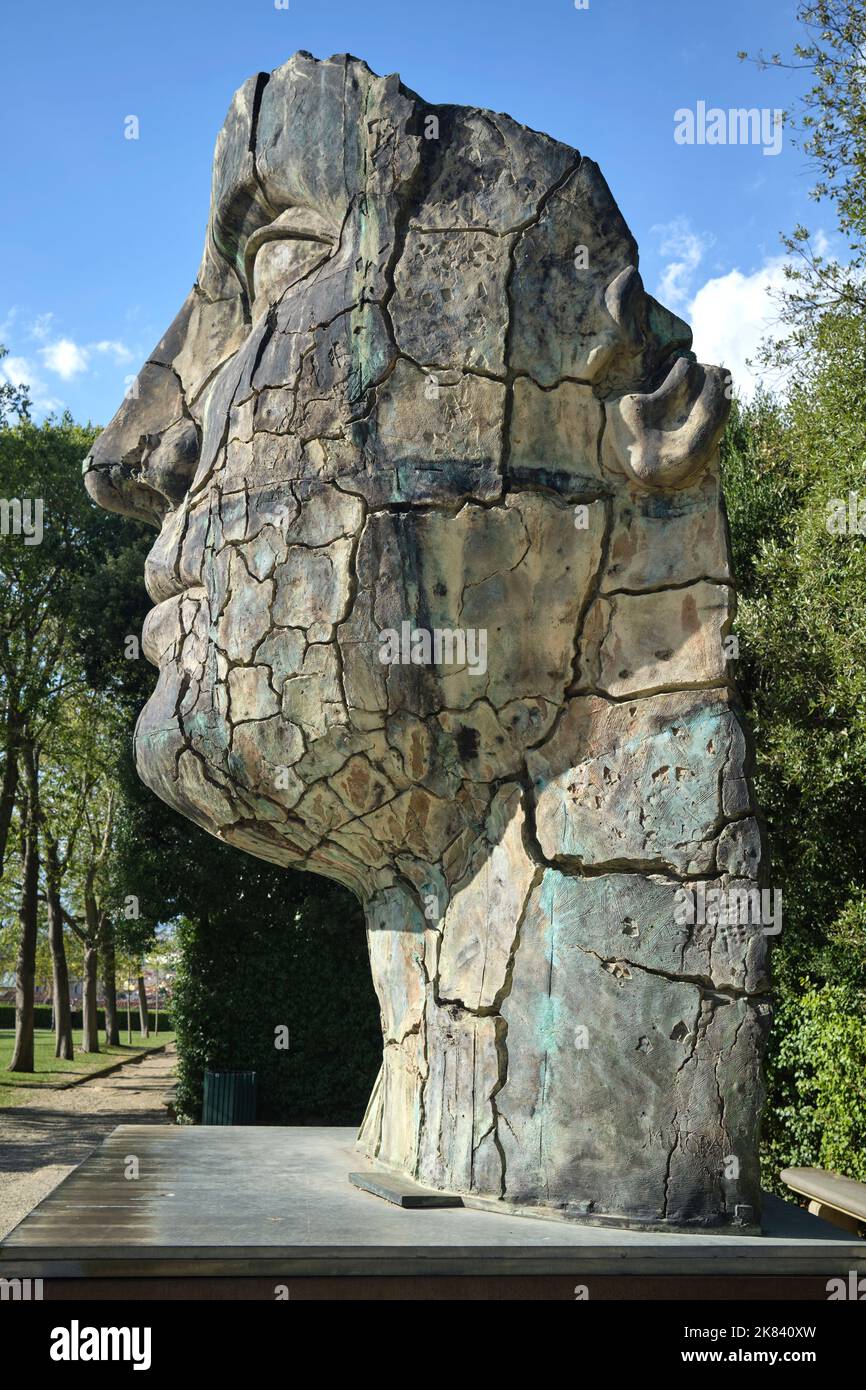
x: 283, y: 252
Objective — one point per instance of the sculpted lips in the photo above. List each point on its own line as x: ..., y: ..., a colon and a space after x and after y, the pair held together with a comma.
x: 172, y: 578
x: 164, y: 624
x: 174, y: 561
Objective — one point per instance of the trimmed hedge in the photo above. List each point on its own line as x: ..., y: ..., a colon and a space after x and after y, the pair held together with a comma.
x: 43, y: 1016
x: 244, y: 980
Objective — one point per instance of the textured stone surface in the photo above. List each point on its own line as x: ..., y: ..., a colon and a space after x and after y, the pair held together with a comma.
x: 626, y: 1084
x: 442, y: 589
x: 648, y: 782
x: 638, y: 643
x: 476, y: 950
x: 555, y: 437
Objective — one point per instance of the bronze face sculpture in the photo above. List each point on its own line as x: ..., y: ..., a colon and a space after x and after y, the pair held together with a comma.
x: 443, y: 592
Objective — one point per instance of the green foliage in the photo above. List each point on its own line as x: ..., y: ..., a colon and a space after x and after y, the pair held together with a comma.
x: 44, y: 462
x: 802, y: 629
x: 788, y: 469
x: 760, y: 489
x: 14, y: 400
x: 39, y: 583
x: 242, y: 976
x: 817, y: 1077
x: 803, y: 639
x: 112, y: 604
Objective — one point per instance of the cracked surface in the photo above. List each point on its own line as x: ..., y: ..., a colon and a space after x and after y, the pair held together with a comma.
x: 394, y: 396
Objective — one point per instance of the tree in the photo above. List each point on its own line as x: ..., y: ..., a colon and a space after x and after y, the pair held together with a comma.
x: 14, y: 400
x: 56, y: 864
x: 143, y: 1020
x: 72, y: 768
x: 25, y: 968
x: 109, y: 986
x: 52, y: 580
x: 94, y: 926
x: 788, y: 474
x: 830, y: 125
x: 795, y: 485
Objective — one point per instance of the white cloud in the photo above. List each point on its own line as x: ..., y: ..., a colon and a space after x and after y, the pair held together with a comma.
x: 20, y: 370
x: 732, y: 314
x: 15, y: 370
x: 7, y: 326
x: 119, y: 351
x: 65, y: 358
x: 678, y: 239
x: 41, y: 326
x: 54, y: 353
x: 821, y: 243
x: 68, y: 358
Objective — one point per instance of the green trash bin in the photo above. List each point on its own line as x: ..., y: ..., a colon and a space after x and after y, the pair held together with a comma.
x: 229, y: 1098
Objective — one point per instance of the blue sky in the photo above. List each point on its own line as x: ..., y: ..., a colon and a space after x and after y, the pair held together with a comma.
x: 101, y: 236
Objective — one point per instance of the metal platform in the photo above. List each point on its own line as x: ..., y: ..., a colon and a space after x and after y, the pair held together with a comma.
x: 256, y: 1212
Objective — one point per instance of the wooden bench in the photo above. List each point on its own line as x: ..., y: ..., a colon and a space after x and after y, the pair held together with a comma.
x: 841, y: 1201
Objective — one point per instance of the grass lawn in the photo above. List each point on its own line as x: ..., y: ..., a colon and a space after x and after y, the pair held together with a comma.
x: 15, y: 1086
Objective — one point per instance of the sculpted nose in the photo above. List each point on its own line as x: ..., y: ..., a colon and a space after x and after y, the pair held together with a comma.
x: 143, y: 462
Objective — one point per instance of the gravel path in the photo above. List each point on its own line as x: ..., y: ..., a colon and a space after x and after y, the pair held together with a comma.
x: 45, y: 1138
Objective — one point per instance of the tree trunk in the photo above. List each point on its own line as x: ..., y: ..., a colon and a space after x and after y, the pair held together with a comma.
x: 109, y: 991
x: 25, y: 974
x: 60, y: 969
x: 9, y: 786
x: 62, y: 1012
x: 92, y: 939
x: 142, y: 1008
x: 90, y: 1022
